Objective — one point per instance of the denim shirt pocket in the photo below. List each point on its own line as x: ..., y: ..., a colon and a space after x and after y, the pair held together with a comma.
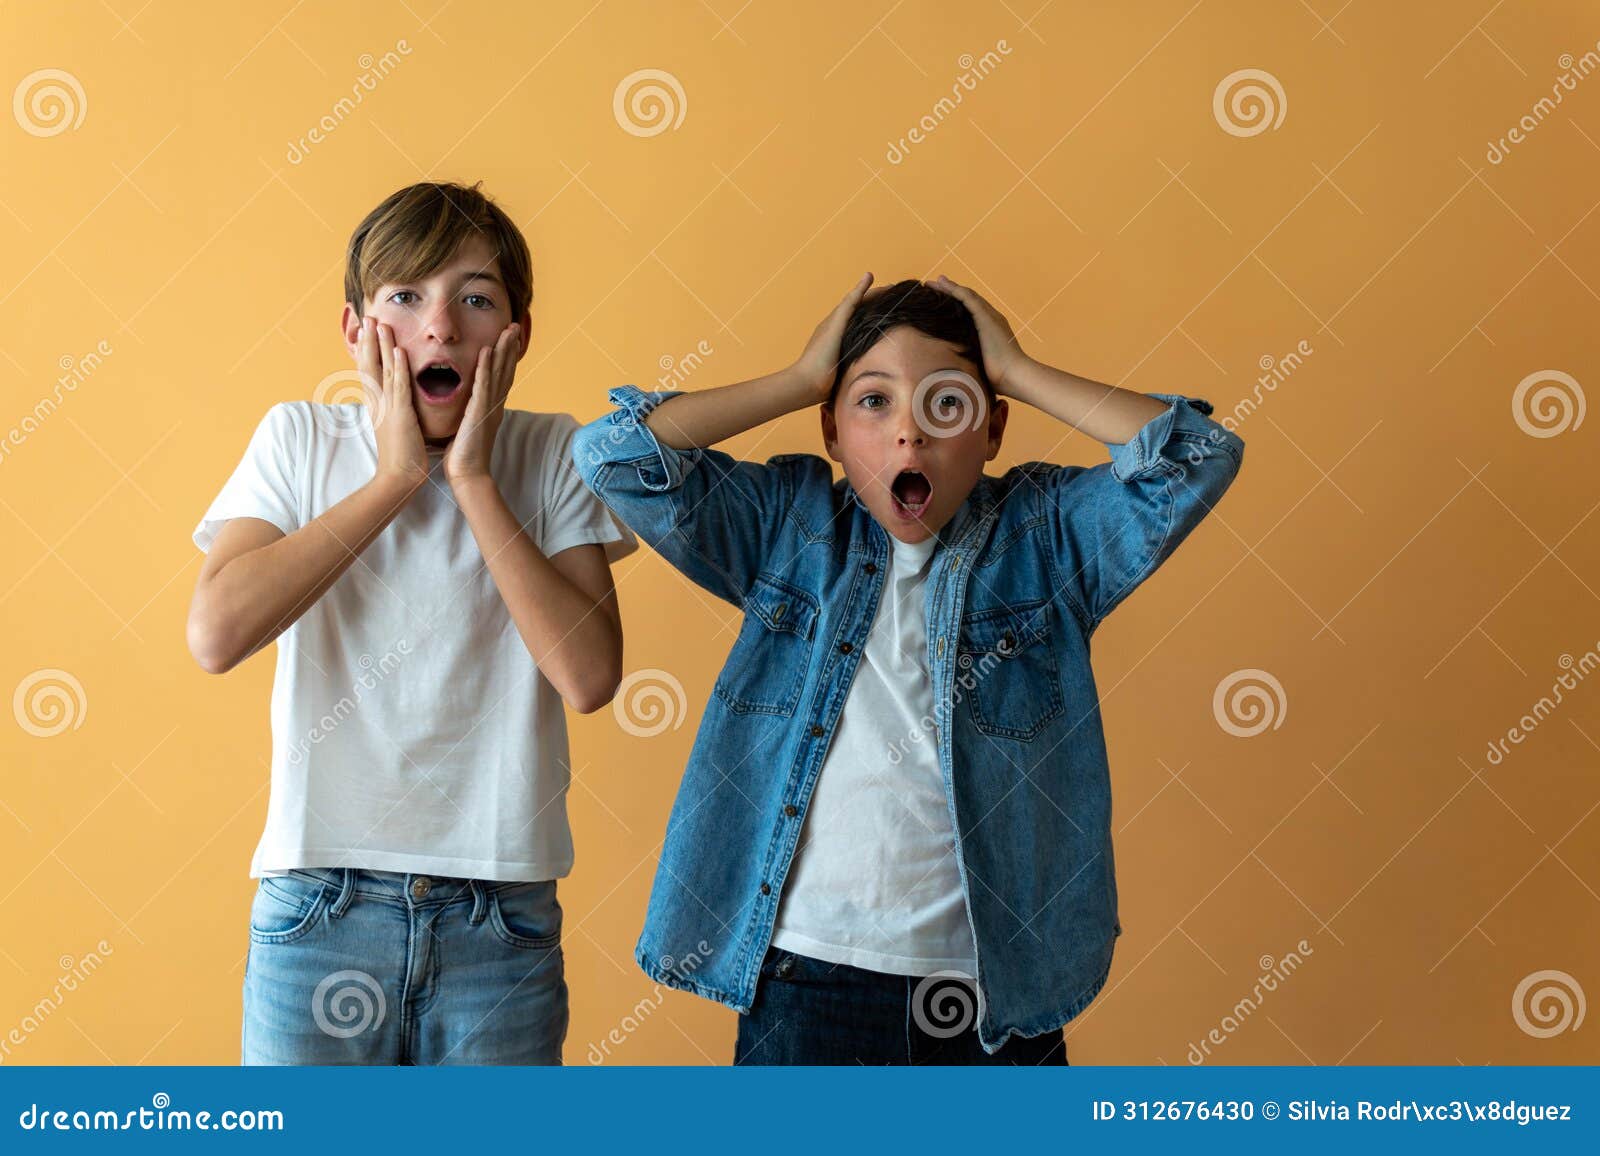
x: 767, y: 669
x: 1007, y: 668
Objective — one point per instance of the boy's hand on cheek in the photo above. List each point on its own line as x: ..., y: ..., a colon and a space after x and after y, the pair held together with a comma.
x: 1003, y: 358
x: 386, y: 377
x: 473, y: 446
x: 819, y: 361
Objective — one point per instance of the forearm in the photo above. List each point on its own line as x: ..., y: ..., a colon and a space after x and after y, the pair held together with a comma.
x: 257, y: 596
x: 708, y: 416
x: 575, y: 641
x: 1106, y: 413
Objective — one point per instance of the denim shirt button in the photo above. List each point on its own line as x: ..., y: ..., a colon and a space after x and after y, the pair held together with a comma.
x: 845, y: 648
x: 940, y: 650
x: 790, y: 810
x: 766, y: 889
x: 871, y: 567
x: 816, y: 731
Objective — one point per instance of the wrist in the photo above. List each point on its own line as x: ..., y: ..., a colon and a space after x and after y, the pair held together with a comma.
x: 399, y: 484
x: 472, y: 484
x: 803, y: 387
x: 1014, y: 379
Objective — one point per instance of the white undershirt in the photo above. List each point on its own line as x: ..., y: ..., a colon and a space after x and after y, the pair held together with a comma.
x: 874, y: 883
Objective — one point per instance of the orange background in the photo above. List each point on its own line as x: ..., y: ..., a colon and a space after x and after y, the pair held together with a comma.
x: 1399, y: 554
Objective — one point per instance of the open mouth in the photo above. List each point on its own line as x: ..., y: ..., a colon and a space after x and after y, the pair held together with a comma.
x: 910, y: 493
x: 439, y: 382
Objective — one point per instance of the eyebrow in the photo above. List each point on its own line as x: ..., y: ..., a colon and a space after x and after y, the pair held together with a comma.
x: 864, y: 374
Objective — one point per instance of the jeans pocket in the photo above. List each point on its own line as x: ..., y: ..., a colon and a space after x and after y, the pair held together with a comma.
x: 526, y: 915
x: 767, y: 669
x: 285, y: 908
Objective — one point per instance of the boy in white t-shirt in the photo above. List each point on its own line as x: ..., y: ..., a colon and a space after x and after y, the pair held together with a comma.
x: 438, y: 581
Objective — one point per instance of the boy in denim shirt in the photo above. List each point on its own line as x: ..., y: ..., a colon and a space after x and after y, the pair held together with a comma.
x: 894, y: 830
x: 438, y: 581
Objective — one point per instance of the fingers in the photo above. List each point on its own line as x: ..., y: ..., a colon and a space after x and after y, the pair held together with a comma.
x: 400, y: 381
x: 367, y: 364
x: 385, y: 351
x: 959, y: 292
x: 853, y: 298
x: 504, y: 361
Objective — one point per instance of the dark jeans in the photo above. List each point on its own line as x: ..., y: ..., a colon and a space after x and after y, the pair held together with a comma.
x: 807, y: 1011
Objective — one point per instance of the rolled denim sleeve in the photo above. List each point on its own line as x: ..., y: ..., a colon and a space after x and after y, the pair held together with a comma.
x: 1119, y: 521
x: 713, y: 517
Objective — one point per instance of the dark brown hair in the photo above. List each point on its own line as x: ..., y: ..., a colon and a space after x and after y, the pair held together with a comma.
x: 925, y: 309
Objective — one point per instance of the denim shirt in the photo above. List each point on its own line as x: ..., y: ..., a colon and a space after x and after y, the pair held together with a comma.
x: 1024, y: 571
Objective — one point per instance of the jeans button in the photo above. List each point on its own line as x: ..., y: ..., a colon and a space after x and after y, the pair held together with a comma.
x: 420, y: 886
x: 785, y: 967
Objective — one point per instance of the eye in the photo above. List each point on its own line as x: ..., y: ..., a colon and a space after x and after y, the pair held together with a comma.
x: 951, y: 401
x: 399, y: 293
x: 479, y: 301
x: 868, y: 400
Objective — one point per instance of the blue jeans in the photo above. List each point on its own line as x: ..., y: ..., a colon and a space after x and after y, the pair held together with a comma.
x: 808, y: 1011
x: 375, y: 967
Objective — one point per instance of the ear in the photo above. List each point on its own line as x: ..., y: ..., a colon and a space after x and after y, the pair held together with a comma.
x: 998, y: 413
x: 350, y: 326
x: 830, y: 431
x: 523, y: 342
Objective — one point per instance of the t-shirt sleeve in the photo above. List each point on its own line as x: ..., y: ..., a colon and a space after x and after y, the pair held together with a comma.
x: 571, y: 514
x: 263, y: 484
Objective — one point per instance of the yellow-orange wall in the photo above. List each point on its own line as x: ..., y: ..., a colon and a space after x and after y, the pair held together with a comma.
x: 1404, y: 559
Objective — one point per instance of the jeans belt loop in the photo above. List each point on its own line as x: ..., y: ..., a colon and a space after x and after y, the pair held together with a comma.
x: 480, y: 902
x: 347, y: 892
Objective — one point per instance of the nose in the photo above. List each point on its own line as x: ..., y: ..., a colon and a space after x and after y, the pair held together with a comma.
x: 911, y: 432
x: 440, y: 325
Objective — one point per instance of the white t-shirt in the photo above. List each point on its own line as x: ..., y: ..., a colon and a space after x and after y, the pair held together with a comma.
x: 874, y: 883
x: 411, y: 730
